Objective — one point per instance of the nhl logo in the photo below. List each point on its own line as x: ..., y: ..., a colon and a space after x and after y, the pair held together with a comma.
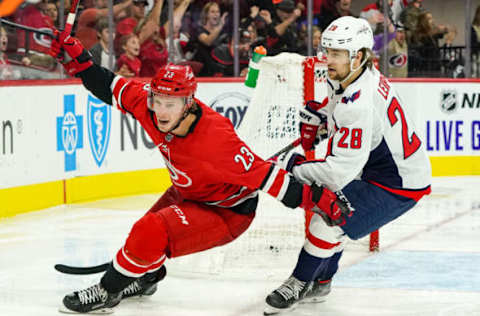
x: 448, y: 102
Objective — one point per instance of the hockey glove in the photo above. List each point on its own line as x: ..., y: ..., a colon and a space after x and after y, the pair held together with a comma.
x: 334, y: 208
x: 313, y: 120
x: 288, y: 160
x: 70, y: 52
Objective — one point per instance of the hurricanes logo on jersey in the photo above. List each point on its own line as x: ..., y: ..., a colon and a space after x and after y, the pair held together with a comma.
x: 178, y: 177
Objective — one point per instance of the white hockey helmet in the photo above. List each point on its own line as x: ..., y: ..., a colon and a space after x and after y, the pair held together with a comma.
x: 349, y: 33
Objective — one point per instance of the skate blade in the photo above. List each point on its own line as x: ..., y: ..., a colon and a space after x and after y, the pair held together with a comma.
x: 313, y: 300
x: 270, y: 310
x: 101, y: 311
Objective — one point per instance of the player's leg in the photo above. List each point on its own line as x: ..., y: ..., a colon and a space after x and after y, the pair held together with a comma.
x: 318, y: 260
x: 316, y: 264
x: 172, y: 231
x: 374, y: 207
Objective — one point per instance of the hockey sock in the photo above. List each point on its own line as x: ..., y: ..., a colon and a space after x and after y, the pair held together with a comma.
x: 308, y: 265
x: 114, y: 282
x: 331, y: 268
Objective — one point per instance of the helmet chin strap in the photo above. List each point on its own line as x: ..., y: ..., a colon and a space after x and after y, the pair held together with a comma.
x: 352, y: 70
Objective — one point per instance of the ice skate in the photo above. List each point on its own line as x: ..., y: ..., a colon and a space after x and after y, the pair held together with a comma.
x: 287, y: 296
x: 94, y: 300
x: 318, y: 292
x: 146, y: 285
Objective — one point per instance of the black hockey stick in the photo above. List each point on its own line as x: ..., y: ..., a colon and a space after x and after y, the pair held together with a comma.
x: 48, y: 33
x: 82, y: 270
x: 287, y: 148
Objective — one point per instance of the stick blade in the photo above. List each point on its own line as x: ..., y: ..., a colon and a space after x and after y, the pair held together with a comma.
x: 81, y: 270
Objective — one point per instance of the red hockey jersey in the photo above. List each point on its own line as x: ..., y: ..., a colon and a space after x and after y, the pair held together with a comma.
x: 210, y: 164
x: 33, y: 17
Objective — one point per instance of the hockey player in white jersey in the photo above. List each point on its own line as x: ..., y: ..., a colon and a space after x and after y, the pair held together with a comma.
x: 373, y: 155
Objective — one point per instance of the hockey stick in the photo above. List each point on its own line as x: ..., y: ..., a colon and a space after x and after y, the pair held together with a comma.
x: 71, y: 16
x: 82, y: 270
x: 287, y: 148
x: 48, y: 33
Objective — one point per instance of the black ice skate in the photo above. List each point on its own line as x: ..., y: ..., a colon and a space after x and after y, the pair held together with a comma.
x: 146, y: 285
x: 287, y: 296
x: 94, y: 300
x: 318, y: 292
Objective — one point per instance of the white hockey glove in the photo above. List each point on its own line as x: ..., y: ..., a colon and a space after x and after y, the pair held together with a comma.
x: 313, y: 123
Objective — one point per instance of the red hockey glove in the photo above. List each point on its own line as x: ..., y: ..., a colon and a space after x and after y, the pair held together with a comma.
x: 70, y: 52
x: 288, y: 160
x: 333, y: 207
x: 311, y: 119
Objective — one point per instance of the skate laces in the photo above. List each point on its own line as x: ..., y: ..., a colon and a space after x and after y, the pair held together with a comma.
x: 132, y: 288
x: 93, y: 294
x: 291, y: 288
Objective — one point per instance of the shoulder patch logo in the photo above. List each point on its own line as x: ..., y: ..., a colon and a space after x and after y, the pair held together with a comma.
x: 352, y: 98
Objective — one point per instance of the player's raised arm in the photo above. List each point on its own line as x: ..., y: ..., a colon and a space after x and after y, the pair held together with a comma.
x: 77, y: 61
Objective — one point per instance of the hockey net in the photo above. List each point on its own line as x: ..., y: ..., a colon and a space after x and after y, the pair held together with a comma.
x: 271, y: 245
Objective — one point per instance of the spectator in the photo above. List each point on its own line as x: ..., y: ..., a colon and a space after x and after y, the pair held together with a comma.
x: 379, y: 40
x: 32, y: 46
x: 262, y: 22
x: 409, y: 17
x: 452, y: 57
x: 51, y: 10
x: 86, y: 32
x: 426, y: 47
x: 475, y: 42
x: 397, y: 55
x: 153, y: 54
x: 475, y: 32
x: 100, y: 51
x: 285, y: 38
x: 397, y: 7
x: 333, y: 9
x: 374, y: 14
x: 6, y: 70
x: 147, y: 24
x: 210, y: 34
x: 129, y: 63
x: 316, y: 40
x: 135, y: 22
x: 223, y: 55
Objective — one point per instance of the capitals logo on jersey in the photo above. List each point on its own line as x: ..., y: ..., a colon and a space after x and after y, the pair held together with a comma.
x: 179, y: 178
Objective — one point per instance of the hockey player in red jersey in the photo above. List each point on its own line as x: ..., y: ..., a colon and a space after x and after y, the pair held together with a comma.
x: 374, y: 155
x: 215, y: 177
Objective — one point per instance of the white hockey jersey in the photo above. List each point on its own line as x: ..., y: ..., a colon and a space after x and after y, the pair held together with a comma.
x: 371, y: 137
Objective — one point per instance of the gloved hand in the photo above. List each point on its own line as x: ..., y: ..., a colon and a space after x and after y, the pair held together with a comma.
x: 312, y: 119
x: 333, y: 207
x: 70, y: 52
x: 287, y: 160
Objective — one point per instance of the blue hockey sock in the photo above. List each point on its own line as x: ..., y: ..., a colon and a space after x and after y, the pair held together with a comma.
x: 314, y: 268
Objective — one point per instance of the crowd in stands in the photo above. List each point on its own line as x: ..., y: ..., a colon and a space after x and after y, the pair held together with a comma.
x: 202, y: 35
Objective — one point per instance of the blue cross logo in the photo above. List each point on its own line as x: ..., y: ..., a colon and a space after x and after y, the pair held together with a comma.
x: 69, y: 132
